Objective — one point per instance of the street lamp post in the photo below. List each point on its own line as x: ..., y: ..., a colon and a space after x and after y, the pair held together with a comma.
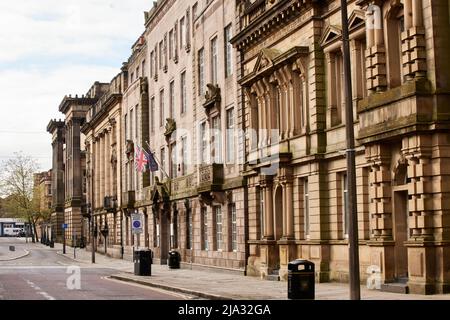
x: 93, y: 237
x: 351, y: 170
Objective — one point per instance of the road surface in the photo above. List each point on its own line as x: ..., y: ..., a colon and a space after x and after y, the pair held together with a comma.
x: 45, y: 275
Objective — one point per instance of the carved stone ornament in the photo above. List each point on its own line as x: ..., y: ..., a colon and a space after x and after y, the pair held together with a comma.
x: 212, y: 98
x: 129, y: 149
x: 144, y: 85
x: 213, y: 93
x: 171, y: 126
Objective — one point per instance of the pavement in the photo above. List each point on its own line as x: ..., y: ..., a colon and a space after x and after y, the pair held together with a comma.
x: 220, y: 285
x: 7, y: 255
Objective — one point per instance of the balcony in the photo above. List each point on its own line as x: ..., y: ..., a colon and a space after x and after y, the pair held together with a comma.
x: 396, y: 112
x: 128, y: 199
x: 210, y: 177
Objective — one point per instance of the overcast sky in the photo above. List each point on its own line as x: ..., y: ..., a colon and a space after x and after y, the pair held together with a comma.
x: 50, y: 48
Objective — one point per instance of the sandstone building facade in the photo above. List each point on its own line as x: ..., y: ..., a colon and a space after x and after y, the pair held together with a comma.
x: 270, y: 185
x: 292, y: 80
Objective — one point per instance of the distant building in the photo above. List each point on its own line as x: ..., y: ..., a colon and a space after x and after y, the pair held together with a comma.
x: 43, y: 194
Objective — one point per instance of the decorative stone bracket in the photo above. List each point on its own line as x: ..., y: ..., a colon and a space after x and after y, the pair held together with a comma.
x: 171, y: 127
x: 212, y: 99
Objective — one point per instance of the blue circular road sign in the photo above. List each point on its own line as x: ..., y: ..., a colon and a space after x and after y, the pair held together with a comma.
x: 136, y: 224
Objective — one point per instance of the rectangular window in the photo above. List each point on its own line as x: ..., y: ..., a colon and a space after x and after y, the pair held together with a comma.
x: 152, y: 63
x: 214, y: 61
x: 184, y: 153
x: 161, y: 57
x: 152, y: 114
x: 125, y: 120
x: 201, y: 72
x: 190, y: 233
x: 233, y: 220
x: 344, y: 206
x: 360, y: 70
x: 219, y: 230
x: 132, y: 77
x: 336, y: 82
x: 170, y: 44
x: 173, y: 160
x: 204, y: 142
x: 175, y: 42
x: 216, y: 140
x: 230, y: 136
x: 136, y: 122
x: 161, y: 108
x: 182, y: 33
x: 163, y: 163
x: 165, y: 53
x: 143, y: 68
x: 194, y: 13
x: 130, y: 134
x: 158, y: 236
x: 188, y: 29
x: 228, y: 52
x: 306, y: 207
x: 204, y: 213
x: 261, y: 212
x: 155, y: 69
x: 183, y: 92
x: 172, y: 99
x: 137, y: 72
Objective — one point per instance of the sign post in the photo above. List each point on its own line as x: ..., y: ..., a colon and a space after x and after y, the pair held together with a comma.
x: 136, y: 224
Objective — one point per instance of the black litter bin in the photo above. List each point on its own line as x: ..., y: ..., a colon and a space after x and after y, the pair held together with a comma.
x: 143, y: 262
x: 301, y: 284
x: 174, y: 260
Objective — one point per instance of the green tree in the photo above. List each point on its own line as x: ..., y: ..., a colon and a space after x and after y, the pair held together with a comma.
x: 16, y: 183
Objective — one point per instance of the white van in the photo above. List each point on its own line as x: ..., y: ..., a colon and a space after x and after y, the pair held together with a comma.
x: 12, y: 232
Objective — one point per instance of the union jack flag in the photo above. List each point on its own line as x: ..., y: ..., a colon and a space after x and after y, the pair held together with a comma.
x: 140, y: 159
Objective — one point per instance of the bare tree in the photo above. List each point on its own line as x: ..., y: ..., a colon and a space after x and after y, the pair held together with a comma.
x: 16, y: 182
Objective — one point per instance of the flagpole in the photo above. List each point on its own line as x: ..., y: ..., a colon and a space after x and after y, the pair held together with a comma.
x: 157, y: 160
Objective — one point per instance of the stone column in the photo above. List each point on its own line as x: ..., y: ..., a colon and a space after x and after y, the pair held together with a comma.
x: 331, y: 105
x: 380, y: 210
x: 290, y: 210
x: 97, y: 171
x: 102, y: 169
x: 376, y: 53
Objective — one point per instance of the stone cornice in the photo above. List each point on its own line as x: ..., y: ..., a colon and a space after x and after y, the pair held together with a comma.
x: 155, y: 15
x: 54, y: 125
x: 105, y: 107
x: 281, y: 13
x: 275, y: 62
x: 68, y: 101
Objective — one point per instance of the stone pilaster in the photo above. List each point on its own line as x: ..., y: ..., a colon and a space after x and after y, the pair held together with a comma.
x: 413, y: 41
